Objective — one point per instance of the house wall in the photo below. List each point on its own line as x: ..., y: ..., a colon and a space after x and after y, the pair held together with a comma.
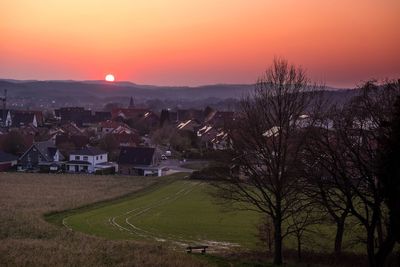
x: 101, y: 158
x: 56, y: 156
x: 30, y: 159
x: 125, y: 169
x: 93, y: 160
x: 81, y: 168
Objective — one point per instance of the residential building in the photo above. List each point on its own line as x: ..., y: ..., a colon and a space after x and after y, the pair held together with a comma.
x: 142, y: 161
x: 44, y: 155
x: 89, y: 160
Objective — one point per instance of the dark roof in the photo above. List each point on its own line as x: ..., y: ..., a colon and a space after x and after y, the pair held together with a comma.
x: 91, y: 151
x: 75, y: 114
x: 102, y: 116
x: 5, y: 157
x: 47, y: 149
x: 19, y: 118
x: 136, y: 155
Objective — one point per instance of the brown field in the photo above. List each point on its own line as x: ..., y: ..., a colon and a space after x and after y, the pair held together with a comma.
x: 26, y: 239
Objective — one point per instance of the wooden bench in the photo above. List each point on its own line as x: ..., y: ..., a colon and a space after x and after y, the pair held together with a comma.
x: 190, y: 248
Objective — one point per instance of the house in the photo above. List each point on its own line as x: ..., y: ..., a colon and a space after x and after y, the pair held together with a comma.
x: 215, y: 138
x: 89, y: 160
x: 7, y: 161
x: 141, y: 118
x: 21, y: 118
x: 78, y: 115
x: 41, y: 155
x: 127, y: 139
x: 71, y: 129
x: 189, y: 125
x: 220, y: 118
x: 129, y: 113
x: 108, y: 126
x: 189, y: 114
x: 102, y: 116
x: 142, y: 161
x: 5, y: 117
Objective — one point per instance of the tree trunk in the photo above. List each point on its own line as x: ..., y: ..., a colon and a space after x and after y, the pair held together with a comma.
x: 299, y: 247
x: 371, y: 247
x: 379, y: 231
x: 384, y: 251
x: 339, y: 235
x: 388, y: 244
x: 278, y: 241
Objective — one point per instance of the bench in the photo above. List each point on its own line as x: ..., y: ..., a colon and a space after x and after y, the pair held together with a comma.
x: 190, y: 248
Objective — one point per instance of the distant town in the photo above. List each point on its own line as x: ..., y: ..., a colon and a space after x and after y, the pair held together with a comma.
x: 124, y: 140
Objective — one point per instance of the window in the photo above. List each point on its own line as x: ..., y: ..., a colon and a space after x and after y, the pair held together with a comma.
x: 77, y: 157
x: 97, y: 157
x: 85, y: 158
x: 101, y: 157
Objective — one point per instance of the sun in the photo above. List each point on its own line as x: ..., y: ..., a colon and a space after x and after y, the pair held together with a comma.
x: 109, y: 78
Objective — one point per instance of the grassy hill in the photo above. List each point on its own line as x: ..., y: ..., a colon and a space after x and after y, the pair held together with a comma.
x: 181, y: 212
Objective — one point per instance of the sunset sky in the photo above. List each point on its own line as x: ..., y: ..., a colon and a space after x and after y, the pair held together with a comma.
x: 183, y: 42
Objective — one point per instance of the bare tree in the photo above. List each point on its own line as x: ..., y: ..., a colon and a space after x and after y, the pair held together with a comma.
x: 267, y: 144
x: 349, y: 152
x: 303, y: 215
x: 389, y: 179
x: 321, y: 150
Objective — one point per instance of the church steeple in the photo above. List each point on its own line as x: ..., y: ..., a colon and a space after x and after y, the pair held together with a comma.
x: 131, y: 103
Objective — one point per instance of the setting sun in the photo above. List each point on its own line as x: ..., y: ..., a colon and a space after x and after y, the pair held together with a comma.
x: 110, y: 78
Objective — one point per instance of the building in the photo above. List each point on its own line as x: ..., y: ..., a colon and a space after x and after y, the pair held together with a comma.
x: 41, y: 155
x: 5, y: 117
x: 77, y: 115
x: 89, y: 160
x: 141, y: 161
x: 23, y: 118
x: 7, y: 161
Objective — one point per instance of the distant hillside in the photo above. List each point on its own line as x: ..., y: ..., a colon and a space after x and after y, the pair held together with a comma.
x: 101, y: 89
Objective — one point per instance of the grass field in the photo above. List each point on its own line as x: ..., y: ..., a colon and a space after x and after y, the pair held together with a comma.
x: 182, y: 212
x: 26, y: 239
x: 128, y: 221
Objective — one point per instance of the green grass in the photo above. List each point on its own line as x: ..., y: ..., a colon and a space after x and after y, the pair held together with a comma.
x: 196, y: 165
x: 179, y: 212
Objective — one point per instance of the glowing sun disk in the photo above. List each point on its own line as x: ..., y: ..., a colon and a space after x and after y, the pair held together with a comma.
x: 109, y: 78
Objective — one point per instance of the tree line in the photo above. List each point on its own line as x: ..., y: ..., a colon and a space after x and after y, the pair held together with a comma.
x: 298, y: 158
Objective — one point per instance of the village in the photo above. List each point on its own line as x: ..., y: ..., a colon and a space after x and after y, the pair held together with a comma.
x: 128, y: 141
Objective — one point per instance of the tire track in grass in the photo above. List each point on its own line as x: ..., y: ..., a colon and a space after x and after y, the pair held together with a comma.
x: 140, y: 211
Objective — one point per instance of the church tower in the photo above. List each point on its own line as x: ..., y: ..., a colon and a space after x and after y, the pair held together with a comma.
x: 131, y: 103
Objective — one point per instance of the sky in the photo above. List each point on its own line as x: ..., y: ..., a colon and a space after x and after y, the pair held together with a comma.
x: 184, y: 42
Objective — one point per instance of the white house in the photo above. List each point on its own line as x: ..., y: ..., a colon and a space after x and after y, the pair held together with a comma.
x: 88, y: 160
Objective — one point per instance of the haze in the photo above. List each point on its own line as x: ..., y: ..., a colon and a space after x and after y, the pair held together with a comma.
x: 198, y: 42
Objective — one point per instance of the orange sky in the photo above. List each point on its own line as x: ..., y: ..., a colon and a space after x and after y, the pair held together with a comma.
x: 183, y: 42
